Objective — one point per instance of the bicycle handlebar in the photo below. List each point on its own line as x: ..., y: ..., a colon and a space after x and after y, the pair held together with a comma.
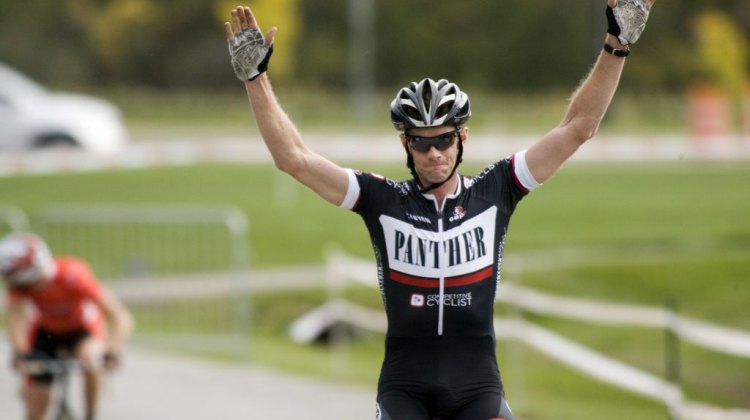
x: 55, y: 367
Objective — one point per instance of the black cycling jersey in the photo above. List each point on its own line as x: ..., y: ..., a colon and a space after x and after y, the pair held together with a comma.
x: 438, y: 267
x: 438, y: 270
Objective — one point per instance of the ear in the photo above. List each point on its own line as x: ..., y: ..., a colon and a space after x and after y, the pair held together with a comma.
x: 464, y: 134
x: 402, y: 136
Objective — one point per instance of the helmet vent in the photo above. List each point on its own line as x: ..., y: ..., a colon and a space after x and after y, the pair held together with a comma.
x: 412, y: 112
x: 444, y: 108
x: 427, y: 97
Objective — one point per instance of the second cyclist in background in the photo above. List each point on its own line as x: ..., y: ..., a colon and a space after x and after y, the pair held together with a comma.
x: 56, y: 306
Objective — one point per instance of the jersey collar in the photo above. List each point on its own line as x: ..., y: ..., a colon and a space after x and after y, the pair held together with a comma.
x: 459, y: 188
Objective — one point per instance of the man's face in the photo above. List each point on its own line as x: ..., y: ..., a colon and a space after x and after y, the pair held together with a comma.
x: 433, y: 165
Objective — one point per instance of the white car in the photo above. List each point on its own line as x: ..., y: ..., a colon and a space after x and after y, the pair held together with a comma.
x: 32, y: 118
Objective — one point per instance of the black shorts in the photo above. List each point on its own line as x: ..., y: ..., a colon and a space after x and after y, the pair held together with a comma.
x: 46, y: 345
x: 443, y: 378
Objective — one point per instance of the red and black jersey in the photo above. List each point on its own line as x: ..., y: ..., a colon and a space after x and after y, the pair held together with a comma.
x: 68, y: 302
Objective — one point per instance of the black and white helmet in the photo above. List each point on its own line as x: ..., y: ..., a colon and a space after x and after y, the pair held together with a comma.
x: 25, y: 259
x: 430, y: 104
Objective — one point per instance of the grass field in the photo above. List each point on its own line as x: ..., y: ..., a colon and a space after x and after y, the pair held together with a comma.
x: 632, y: 233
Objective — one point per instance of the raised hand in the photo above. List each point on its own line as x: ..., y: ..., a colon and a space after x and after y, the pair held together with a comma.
x: 626, y: 19
x: 249, y: 51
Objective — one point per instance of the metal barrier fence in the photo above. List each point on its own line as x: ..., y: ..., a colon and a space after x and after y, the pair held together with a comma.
x: 178, y: 268
x: 138, y: 241
x: 12, y: 219
x: 342, y: 269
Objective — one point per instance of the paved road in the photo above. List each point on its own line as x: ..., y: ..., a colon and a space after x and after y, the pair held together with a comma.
x: 157, y: 386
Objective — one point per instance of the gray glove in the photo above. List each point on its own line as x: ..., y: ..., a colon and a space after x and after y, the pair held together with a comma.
x: 249, y: 54
x: 627, y: 19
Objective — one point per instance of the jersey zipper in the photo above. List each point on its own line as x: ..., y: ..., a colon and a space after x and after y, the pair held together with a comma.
x: 443, y: 261
x: 441, y: 308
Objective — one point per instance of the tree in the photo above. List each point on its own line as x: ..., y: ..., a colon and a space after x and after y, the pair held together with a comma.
x: 721, y: 58
x: 721, y: 52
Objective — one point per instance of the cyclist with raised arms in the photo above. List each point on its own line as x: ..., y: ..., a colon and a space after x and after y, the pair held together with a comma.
x: 438, y: 238
x: 73, y: 315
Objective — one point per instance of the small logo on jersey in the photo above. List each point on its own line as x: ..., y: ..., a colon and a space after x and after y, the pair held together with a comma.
x: 450, y: 299
x: 418, y: 218
x: 458, y: 214
x: 417, y: 300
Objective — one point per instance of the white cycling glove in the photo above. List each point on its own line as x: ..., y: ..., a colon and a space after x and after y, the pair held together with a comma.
x: 249, y: 54
x: 627, y: 19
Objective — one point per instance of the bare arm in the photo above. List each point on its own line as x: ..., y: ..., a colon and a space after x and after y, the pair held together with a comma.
x: 626, y: 20
x: 282, y: 138
x: 119, y: 319
x: 18, y: 320
x: 581, y: 122
x: 289, y: 153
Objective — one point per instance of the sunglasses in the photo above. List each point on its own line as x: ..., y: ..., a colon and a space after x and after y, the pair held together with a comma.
x: 441, y: 142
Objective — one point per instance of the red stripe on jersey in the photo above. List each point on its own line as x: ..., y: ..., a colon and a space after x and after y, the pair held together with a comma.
x: 414, y: 281
x: 356, y: 203
x: 472, y: 278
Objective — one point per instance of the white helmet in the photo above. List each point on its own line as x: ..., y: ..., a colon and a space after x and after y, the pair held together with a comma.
x: 25, y: 259
x: 430, y: 104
